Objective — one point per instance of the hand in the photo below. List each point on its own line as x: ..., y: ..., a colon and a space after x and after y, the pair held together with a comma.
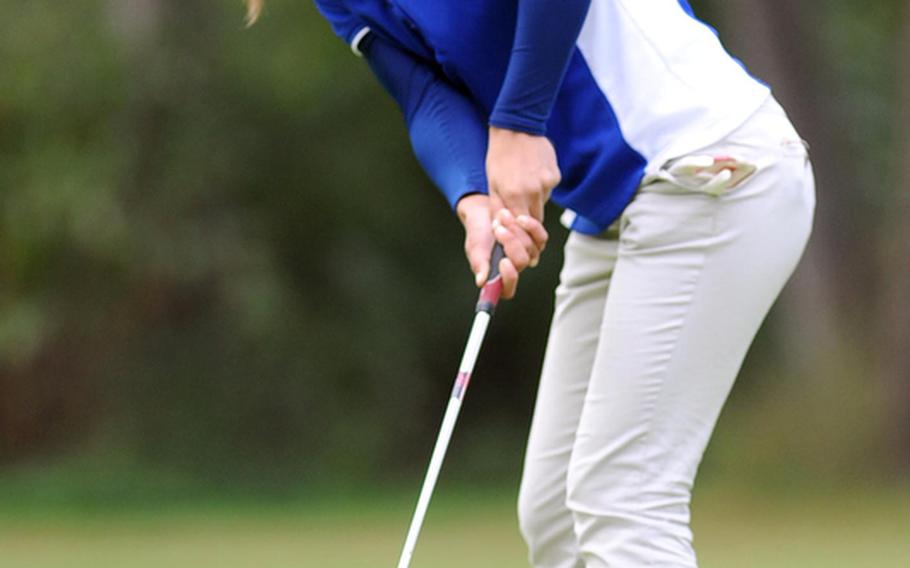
x: 521, y: 171
x: 523, y: 239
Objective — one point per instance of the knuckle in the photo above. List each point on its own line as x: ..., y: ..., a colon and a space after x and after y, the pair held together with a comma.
x: 519, y: 189
x: 518, y: 251
x: 557, y: 175
x: 550, y: 179
x: 521, y: 262
x: 511, y: 194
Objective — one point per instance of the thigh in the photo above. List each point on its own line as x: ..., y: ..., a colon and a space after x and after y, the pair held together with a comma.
x: 571, y: 348
x: 695, y: 276
x: 546, y: 523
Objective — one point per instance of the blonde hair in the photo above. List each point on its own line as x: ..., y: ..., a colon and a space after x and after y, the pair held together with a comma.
x: 253, y: 9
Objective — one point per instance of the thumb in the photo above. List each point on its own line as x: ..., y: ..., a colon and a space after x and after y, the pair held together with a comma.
x: 478, y: 240
x: 479, y: 259
x: 478, y: 247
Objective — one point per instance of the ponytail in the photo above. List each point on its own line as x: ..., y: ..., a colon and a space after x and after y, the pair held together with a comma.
x: 253, y: 9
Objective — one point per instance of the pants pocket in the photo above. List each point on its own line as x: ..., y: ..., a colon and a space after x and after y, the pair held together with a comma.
x: 702, y: 173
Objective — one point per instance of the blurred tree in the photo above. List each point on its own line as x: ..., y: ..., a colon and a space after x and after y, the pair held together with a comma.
x: 782, y: 44
x: 218, y: 256
x: 826, y: 65
x: 895, y: 314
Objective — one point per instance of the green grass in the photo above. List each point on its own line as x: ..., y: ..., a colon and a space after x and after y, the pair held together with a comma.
x: 733, y: 529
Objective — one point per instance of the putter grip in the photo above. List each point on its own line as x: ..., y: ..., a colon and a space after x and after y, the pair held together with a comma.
x: 489, y: 295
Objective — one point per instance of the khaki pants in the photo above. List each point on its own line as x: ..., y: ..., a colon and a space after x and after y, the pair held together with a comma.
x: 652, y: 322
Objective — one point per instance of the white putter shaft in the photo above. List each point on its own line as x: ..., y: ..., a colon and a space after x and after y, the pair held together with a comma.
x: 475, y: 340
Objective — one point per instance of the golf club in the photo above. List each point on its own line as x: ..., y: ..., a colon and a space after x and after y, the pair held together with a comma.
x: 486, y: 305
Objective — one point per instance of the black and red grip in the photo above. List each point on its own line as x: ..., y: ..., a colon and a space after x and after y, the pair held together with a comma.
x: 492, y: 290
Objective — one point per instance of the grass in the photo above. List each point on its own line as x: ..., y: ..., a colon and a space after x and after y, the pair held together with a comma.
x: 733, y: 529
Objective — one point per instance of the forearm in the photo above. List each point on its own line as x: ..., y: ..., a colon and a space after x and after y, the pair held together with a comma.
x: 545, y: 36
x: 447, y: 133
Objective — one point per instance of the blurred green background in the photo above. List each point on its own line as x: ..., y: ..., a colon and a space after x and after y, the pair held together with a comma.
x: 231, y: 305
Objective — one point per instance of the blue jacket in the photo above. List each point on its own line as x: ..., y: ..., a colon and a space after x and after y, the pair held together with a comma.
x: 619, y: 86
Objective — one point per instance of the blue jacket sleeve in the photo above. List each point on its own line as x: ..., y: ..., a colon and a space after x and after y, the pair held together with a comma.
x: 447, y: 131
x: 545, y: 36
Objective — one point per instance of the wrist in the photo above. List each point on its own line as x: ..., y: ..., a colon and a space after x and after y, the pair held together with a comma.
x: 470, y: 204
x: 511, y: 123
x: 503, y: 138
x: 505, y: 132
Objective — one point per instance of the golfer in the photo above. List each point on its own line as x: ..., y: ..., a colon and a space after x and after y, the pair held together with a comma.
x: 689, y: 197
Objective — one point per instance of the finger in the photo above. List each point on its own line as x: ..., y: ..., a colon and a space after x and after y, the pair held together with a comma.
x: 535, y: 230
x: 477, y: 245
x: 513, y: 247
x: 510, y: 222
x: 517, y: 203
x: 535, y: 209
x: 509, y: 278
x: 496, y: 205
x: 478, y: 254
x: 516, y: 207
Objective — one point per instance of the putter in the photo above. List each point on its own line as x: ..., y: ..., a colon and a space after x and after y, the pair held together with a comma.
x: 486, y: 305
